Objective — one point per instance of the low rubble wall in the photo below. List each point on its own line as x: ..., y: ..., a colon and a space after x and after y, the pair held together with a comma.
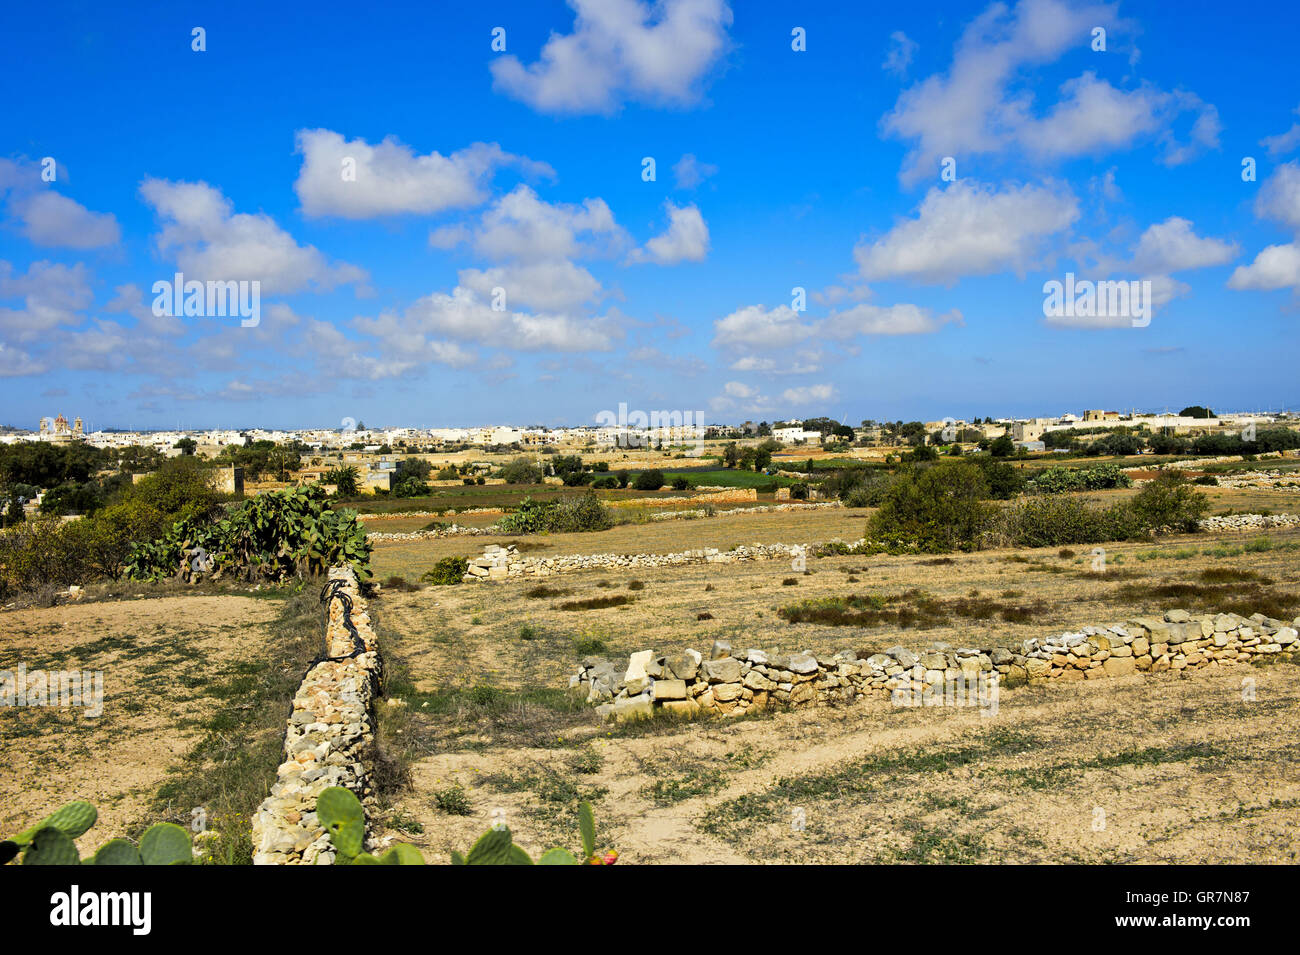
x: 730, y: 683
x: 330, y: 734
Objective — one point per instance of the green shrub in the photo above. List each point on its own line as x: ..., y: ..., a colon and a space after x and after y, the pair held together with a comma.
x: 1170, y: 501
x: 651, y: 480
x: 449, y: 570
x: 937, y: 508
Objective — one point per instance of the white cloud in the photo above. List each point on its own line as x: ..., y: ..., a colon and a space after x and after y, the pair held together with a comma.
x: 391, y: 179
x: 1283, y: 143
x: 1279, y: 197
x: 51, y: 219
x: 462, y: 315
x: 53, y: 295
x: 983, y: 105
x: 808, y: 394
x: 902, y: 319
x: 1172, y: 246
x: 558, y: 285
x: 524, y: 227
x: 621, y: 50
x: 968, y: 229
x: 689, y: 172
x: 1277, y: 266
x: 685, y: 240
x: 758, y: 327
x: 209, y: 241
x: 900, y: 53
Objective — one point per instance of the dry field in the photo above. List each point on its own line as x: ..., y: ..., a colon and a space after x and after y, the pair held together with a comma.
x: 413, y: 558
x: 168, y: 663
x: 1183, y: 769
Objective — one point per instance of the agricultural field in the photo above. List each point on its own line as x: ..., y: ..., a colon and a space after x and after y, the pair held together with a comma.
x: 479, y: 723
x: 1184, y: 768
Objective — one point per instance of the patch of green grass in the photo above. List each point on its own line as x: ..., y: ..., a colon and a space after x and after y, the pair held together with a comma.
x: 453, y: 800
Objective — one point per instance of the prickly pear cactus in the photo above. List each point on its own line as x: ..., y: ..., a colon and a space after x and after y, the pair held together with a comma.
x: 340, y: 812
x: 50, y: 842
x: 496, y: 847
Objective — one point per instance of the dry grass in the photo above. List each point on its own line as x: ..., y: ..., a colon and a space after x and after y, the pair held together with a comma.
x: 1184, y: 770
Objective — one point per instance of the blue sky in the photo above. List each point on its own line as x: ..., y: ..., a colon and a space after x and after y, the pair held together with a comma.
x: 522, y: 171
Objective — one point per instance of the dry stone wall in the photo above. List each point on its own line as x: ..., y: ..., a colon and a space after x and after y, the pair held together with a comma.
x: 330, y: 734
x: 506, y: 563
x: 731, y: 683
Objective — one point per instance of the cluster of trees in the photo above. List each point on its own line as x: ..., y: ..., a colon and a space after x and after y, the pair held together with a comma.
x: 753, y: 458
x: 1127, y: 441
x: 259, y: 458
x: 949, y: 506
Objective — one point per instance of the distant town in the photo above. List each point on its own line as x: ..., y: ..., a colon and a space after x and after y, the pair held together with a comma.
x: 665, y: 429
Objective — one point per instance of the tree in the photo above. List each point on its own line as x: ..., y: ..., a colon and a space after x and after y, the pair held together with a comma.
x: 1002, y: 447
x: 521, y: 470
x: 344, y: 480
x: 1196, y: 411
x: 186, y: 445
x: 651, y: 480
x: 936, y: 508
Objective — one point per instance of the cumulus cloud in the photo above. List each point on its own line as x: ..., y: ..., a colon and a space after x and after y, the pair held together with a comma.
x: 389, y: 178
x: 808, y: 394
x: 900, y: 319
x: 969, y: 229
x: 462, y: 315
x: 685, y: 240
x: 561, y: 285
x: 1283, y: 143
x: 51, y: 219
x: 52, y: 294
x: 621, y: 50
x: 983, y: 105
x: 759, y: 327
x: 209, y: 241
x: 1277, y: 266
x: 1172, y: 246
x: 689, y: 172
x: 522, y: 226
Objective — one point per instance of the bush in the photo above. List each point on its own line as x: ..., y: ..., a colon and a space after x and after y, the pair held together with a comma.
x: 935, y: 509
x: 1052, y: 522
x: 449, y: 570
x: 412, y: 487
x: 582, y: 513
x: 651, y: 480
x: 680, y: 484
x: 1055, y: 480
x: 799, y: 492
x: 521, y: 470
x: 607, y: 483
x: 568, y: 515
x: 1170, y: 501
